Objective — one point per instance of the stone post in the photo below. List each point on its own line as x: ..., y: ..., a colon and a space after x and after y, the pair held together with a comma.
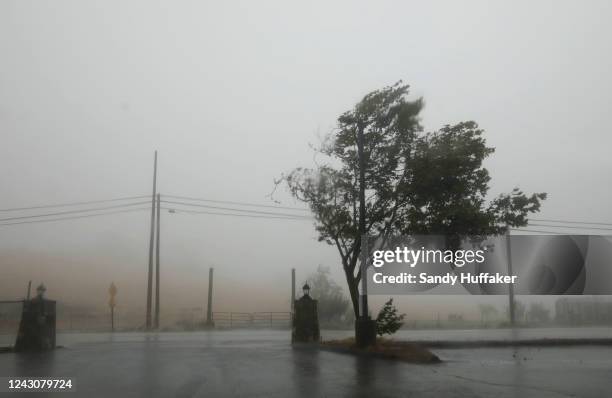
x: 305, y: 319
x: 37, y: 326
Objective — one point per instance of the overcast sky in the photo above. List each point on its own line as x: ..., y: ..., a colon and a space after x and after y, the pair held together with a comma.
x: 232, y: 93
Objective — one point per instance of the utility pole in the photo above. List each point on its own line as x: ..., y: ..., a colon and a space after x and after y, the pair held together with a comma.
x: 510, y: 286
x: 150, y: 274
x: 365, y: 328
x: 156, y: 323
x: 362, y: 212
x: 364, y: 270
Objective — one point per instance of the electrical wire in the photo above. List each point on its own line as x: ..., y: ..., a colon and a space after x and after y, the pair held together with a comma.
x: 577, y: 225
x: 572, y: 222
x: 236, y: 210
x: 571, y: 227
x: 71, y: 211
x: 74, y: 203
x: 175, y: 210
x: 537, y: 231
x: 235, y: 203
x: 75, y: 217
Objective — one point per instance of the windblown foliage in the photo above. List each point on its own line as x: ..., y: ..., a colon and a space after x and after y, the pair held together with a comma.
x: 416, y: 182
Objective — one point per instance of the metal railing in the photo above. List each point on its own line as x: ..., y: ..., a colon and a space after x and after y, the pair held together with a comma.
x: 252, y: 319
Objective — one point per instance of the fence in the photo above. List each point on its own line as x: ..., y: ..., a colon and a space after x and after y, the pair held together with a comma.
x: 252, y: 319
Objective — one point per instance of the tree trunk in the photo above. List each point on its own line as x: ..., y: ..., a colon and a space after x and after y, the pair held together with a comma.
x: 353, y: 284
x: 349, y: 262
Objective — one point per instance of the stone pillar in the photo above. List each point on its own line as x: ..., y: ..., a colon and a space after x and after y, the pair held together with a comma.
x: 37, y: 326
x: 305, y: 321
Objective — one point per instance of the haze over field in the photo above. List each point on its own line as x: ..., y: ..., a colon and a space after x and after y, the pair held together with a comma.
x: 231, y: 94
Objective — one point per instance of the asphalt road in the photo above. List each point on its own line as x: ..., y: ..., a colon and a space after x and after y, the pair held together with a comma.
x: 263, y: 364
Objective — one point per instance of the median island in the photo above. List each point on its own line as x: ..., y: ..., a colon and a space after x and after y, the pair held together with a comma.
x: 385, y: 349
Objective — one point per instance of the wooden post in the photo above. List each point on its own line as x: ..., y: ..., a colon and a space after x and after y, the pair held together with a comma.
x: 151, y: 242
x: 156, y: 322
x: 292, y: 290
x: 112, y: 291
x: 209, y: 320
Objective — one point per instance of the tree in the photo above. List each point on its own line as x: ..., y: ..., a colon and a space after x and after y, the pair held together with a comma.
x: 333, y: 305
x: 416, y: 182
x: 388, y: 321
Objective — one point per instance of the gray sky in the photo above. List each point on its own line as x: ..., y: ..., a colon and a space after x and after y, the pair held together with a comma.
x: 231, y: 94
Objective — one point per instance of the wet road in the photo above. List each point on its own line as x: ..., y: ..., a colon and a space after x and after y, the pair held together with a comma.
x: 263, y: 364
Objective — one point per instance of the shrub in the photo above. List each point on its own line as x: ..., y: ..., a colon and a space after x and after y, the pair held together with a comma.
x: 388, y: 320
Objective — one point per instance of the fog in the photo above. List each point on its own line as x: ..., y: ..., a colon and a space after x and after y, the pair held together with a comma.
x: 231, y: 94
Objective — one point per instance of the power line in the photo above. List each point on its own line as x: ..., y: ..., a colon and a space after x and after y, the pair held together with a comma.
x: 72, y: 211
x: 266, y: 215
x: 235, y: 203
x: 75, y: 217
x: 571, y: 227
x: 237, y: 210
x: 174, y: 210
x: 73, y: 203
x: 147, y: 208
x: 579, y: 225
x: 537, y: 231
x: 572, y: 222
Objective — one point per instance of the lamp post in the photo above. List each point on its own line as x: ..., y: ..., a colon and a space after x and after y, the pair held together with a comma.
x: 306, y: 289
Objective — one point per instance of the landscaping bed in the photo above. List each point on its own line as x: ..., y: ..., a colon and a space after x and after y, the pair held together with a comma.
x: 384, y: 348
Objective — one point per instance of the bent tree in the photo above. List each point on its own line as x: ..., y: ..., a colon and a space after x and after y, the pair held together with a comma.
x: 416, y: 182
